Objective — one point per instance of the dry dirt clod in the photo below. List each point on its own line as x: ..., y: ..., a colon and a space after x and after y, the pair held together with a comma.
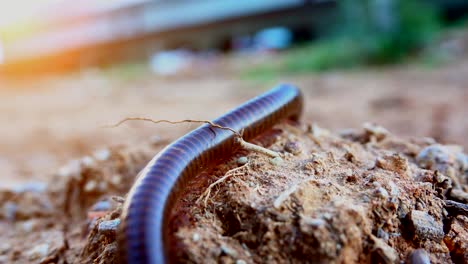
x: 459, y: 195
x: 242, y: 160
x: 419, y: 256
x: 38, y: 252
x: 456, y: 239
x: 293, y: 147
x: 384, y: 253
x: 276, y: 161
x: 375, y: 132
x: 456, y: 208
x: 109, y: 227
x: 425, y: 227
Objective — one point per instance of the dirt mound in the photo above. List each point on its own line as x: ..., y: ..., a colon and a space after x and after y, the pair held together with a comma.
x: 358, y: 196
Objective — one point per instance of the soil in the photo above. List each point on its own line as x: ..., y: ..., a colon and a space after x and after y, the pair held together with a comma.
x: 340, y: 195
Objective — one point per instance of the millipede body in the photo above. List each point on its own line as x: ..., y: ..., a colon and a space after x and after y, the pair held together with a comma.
x: 144, y: 234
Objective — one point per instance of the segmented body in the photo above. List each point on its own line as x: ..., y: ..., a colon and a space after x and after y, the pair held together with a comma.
x: 144, y: 234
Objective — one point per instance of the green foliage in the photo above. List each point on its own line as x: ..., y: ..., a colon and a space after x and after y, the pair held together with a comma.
x: 324, y: 55
x: 367, y: 32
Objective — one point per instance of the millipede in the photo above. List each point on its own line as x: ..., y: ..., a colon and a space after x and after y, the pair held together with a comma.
x: 144, y: 235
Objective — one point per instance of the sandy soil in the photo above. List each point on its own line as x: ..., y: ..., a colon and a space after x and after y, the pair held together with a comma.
x: 50, y: 121
x: 53, y: 132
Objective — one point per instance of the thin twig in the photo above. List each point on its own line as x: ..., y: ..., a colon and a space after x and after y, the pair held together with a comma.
x: 249, y: 146
x: 243, y: 144
x: 174, y: 122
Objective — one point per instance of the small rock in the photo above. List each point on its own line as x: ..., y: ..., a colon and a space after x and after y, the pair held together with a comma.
x: 102, y: 186
x: 419, y: 256
x: 87, y: 161
x: 425, y: 226
x: 37, y: 187
x: 317, y: 131
x: 434, y: 157
x: 395, y: 163
x: 381, y: 193
x: 242, y: 160
x: 375, y: 131
x: 155, y: 140
x: 386, y: 253
x: 394, y: 190
x: 109, y: 227
x: 90, y: 186
x: 38, y: 252
x: 29, y: 225
x: 73, y: 168
x: 276, y: 161
x: 240, y: 261
x: 103, y: 205
x: 102, y: 154
x: 9, y: 210
x: 314, y: 222
x: 382, y: 234
x: 116, y: 180
x: 442, y: 181
x: 462, y: 160
x: 293, y: 147
x: 228, y: 251
x: 4, y: 248
x: 196, y: 237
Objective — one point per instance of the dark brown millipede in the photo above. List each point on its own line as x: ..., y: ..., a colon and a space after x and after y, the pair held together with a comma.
x: 144, y: 233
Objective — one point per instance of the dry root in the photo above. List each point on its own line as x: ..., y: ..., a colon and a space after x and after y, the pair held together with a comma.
x: 243, y: 144
x: 239, y: 171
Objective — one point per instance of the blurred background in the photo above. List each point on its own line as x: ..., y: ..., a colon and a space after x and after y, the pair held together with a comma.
x: 67, y: 68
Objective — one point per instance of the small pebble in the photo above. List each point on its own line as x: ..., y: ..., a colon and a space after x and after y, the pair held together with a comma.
x: 71, y: 169
x: 28, y: 226
x: 242, y: 160
x: 228, y: 251
x: 462, y: 160
x: 116, y: 180
x: 109, y: 227
x: 381, y: 193
x: 419, y: 206
x: 292, y: 147
x: 155, y: 139
x: 425, y: 226
x: 102, y: 154
x: 87, y: 161
x: 434, y: 157
x: 103, y: 205
x: 315, y: 222
x: 382, y: 234
x: 394, y: 190
x: 196, y: 237
x: 377, y: 131
x: 37, y: 187
x: 387, y: 254
x: 419, y: 256
x: 102, y: 186
x: 90, y: 186
x: 38, y: 252
x: 276, y: 161
x: 9, y: 210
x: 240, y: 261
x: 4, y: 248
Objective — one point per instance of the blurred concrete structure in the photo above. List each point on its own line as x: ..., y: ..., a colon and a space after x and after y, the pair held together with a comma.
x: 97, y: 34
x: 71, y: 34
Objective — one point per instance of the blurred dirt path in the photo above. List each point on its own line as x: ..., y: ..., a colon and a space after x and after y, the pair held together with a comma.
x: 50, y: 121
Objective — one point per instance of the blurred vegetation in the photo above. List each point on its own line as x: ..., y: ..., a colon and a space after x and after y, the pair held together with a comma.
x: 365, y: 32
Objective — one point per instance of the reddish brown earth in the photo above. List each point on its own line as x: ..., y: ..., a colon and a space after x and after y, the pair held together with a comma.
x: 335, y: 198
